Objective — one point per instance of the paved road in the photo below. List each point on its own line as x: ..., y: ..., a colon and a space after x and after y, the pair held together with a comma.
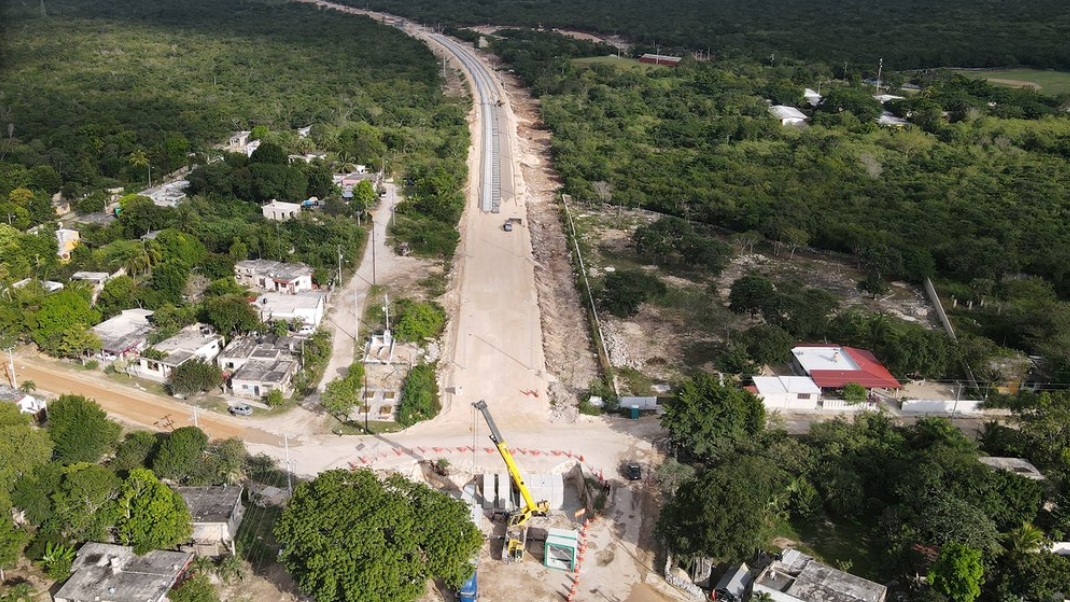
x: 489, y: 101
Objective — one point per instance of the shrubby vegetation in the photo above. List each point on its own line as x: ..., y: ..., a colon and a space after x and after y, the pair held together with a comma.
x: 418, y: 321
x: 906, y: 34
x: 912, y: 499
x: 965, y: 195
x: 419, y: 396
x: 74, y: 496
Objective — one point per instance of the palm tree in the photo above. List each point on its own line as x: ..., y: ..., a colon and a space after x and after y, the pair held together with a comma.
x: 139, y: 158
x: 1025, y: 539
x: 761, y: 597
x: 28, y: 386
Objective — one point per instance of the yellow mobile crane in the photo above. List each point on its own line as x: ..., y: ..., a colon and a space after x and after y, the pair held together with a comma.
x: 517, y: 531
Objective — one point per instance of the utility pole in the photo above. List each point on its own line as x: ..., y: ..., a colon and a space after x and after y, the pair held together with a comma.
x: 196, y: 422
x: 880, y: 69
x: 372, y: 220
x: 289, y: 466
x: 365, y: 403
x: 11, y: 367
x: 339, y: 266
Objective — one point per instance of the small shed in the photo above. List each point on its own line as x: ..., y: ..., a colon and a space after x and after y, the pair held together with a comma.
x: 561, y: 549
x: 733, y: 586
x: 217, y: 513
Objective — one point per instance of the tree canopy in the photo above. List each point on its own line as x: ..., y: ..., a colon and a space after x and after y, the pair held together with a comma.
x: 80, y: 430
x: 180, y: 454
x: 723, y: 512
x: 710, y: 419
x: 22, y: 449
x: 151, y: 516
x: 958, y: 573
x: 347, y: 536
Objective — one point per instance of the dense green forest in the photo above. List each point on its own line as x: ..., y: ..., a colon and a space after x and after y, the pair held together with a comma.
x: 91, y: 82
x: 973, y: 192
x: 908, y: 34
x: 96, y: 95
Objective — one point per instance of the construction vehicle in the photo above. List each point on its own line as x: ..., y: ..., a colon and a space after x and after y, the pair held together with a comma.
x: 516, y: 533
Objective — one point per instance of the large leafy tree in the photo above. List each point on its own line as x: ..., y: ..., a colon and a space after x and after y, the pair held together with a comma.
x: 342, y: 393
x: 752, y: 293
x: 958, y: 573
x: 60, y: 313
x: 180, y: 453
x: 231, y: 314
x: 13, y: 539
x: 83, y: 504
x: 80, y: 430
x: 348, y: 537
x: 151, y: 516
x: 134, y: 451
x: 195, y: 376
x: 624, y: 291
x: 22, y: 449
x: 724, y: 512
x: 710, y: 419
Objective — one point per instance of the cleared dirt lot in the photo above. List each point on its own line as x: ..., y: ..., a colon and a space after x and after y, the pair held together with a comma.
x: 683, y: 330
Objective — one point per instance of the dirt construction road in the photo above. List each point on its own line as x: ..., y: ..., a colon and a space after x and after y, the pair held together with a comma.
x: 131, y: 406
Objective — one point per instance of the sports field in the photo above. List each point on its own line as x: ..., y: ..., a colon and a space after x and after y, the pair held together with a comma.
x: 1046, y: 81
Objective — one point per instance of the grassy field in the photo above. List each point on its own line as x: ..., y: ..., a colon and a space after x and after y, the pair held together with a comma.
x: 842, y: 544
x: 1049, y: 82
x: 615, y: 61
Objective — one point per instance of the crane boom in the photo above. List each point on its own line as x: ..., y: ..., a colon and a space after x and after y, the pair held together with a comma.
x: 530, y: 506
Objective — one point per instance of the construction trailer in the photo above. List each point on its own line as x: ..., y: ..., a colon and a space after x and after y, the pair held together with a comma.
x: 516, y: 533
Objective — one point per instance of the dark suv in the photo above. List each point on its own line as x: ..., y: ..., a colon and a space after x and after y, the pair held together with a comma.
x: 633, y: 471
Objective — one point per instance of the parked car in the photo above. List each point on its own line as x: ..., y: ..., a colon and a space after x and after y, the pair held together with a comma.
x: 633, y: 471
x: 241, y: 410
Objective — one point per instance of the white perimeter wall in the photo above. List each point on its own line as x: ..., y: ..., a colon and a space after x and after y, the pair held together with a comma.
x: 941, y: 406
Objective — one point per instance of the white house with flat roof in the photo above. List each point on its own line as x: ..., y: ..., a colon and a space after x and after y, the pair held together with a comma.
x: 125, y: 333
x: 307, y: 307
x: 279, y: 211
x: 787, y: 392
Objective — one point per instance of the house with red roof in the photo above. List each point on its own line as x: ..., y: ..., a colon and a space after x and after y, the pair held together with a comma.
x: 832, y: 367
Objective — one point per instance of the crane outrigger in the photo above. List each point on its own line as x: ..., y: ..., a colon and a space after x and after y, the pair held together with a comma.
x: 517, y: 531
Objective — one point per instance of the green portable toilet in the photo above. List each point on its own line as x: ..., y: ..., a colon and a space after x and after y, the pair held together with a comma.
x: 635, y: 412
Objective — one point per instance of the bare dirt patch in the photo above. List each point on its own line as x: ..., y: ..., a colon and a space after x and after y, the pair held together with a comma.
x: 566, y: 335
x: 1016, y: 83
x: 683, y: 331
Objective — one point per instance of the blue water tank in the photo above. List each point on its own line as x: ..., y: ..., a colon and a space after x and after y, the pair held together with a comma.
x: 469, y: 592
